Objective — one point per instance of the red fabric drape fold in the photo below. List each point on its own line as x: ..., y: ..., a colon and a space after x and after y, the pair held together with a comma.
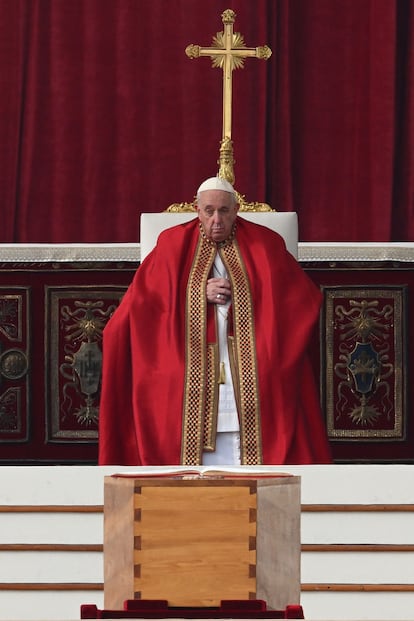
x: 103, y: 116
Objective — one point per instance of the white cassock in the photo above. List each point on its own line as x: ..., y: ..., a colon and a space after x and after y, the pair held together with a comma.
x: 228, y: 428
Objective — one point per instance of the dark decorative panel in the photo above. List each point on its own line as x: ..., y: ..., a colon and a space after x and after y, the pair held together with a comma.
x: 54, y: 303
x: 364, y: 363
x: 75, y: 319
x: 14, y: 364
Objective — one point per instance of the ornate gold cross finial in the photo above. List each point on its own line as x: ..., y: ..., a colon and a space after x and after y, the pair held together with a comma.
x: 228, y: 52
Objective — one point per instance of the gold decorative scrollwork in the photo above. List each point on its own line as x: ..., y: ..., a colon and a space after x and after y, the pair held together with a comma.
x: 364, y: 363
x: 83, y: 324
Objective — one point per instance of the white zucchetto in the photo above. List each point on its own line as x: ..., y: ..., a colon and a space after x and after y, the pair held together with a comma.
x: 216, y: 183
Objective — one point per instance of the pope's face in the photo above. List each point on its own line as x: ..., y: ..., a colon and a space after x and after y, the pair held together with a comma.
x: 217, y: 211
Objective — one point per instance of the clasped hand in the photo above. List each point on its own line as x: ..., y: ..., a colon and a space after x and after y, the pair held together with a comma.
x: 218, y: 290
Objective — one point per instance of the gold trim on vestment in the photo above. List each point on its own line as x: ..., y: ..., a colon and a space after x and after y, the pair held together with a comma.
x: 201, y: 386
x: 212, y: 395
x: 244, y: 348
x: 196, y: 358
x: 233, y: 369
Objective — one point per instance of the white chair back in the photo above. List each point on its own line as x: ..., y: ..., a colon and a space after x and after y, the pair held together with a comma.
x: 283, y: 222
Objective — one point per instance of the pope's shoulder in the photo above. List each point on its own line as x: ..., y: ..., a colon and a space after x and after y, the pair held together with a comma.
x: 186, y: 231
x: 263, y: 231
x: 177, y: 231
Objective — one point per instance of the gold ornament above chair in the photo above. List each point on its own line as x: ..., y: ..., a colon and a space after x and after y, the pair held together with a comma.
x: 227, y: 52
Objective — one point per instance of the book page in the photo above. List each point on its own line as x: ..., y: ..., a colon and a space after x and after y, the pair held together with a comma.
x: 201, y: 472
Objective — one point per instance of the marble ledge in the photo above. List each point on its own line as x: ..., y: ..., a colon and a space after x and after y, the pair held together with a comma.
x: 49, y: 253
x: 331, y: 252
x: 307, y: 252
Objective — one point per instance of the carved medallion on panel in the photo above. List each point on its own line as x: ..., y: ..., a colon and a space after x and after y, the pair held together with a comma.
x: 75, y: 323
x: 364, y: 363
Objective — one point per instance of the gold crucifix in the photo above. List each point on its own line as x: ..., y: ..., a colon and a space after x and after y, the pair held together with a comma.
x: 228, y: 52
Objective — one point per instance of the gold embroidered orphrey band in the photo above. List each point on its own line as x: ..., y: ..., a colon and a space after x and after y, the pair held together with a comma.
x: 197, y: 411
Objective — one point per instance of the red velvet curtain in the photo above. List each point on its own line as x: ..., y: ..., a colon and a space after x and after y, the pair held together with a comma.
x: 103, y: 116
